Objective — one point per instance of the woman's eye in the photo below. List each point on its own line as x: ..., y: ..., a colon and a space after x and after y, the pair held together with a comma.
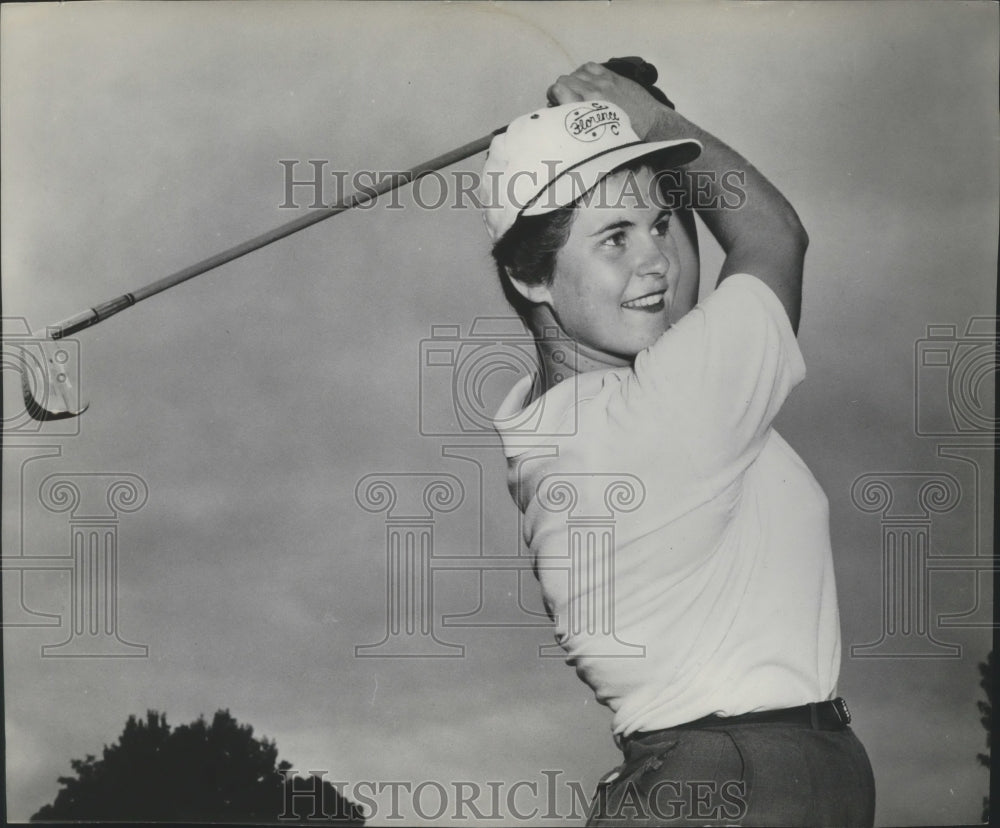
x: 614, y: 240
x: 662, y: 227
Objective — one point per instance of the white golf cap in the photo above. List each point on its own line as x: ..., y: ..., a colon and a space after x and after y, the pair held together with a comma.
x: 551, y: 157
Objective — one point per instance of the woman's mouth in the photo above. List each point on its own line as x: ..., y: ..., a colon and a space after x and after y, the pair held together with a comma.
x: 650, y: 303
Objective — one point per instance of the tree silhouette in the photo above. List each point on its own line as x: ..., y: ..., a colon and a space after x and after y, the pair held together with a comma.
x: 986, y: 718
x: 199, y: 772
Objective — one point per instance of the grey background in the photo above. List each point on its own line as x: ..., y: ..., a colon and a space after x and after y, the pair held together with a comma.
x: 138, y: 138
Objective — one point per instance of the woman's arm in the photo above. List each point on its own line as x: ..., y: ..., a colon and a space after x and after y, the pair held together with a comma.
x: 763, y: 236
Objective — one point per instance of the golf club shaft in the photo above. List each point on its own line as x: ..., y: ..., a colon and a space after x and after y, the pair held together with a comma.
x: 100, y: 312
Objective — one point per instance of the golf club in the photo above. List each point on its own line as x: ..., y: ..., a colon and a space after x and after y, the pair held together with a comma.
x: 49, y: 393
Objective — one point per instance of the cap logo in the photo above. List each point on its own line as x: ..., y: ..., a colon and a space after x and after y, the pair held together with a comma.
x: 591, y: 122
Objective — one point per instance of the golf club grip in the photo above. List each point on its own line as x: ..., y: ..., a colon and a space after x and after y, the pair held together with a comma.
x: 642, y: 72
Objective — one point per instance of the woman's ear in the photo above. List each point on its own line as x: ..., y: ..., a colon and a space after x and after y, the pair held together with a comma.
x: 537, y: 294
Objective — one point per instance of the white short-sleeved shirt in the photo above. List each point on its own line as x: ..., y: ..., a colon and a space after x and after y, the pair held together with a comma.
x: 713, y: 591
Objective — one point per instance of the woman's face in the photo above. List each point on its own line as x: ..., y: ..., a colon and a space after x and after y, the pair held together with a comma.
x: 614, y: 286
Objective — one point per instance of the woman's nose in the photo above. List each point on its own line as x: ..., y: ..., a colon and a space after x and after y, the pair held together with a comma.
x: 652, y: 258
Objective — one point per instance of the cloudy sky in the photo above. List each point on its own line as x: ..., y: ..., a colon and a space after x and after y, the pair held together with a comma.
x: 138, y: 138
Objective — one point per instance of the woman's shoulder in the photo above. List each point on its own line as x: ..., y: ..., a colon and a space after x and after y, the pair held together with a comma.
x: 531, y: 416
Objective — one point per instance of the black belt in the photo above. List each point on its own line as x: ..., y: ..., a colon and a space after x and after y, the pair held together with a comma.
x: 827, y: 715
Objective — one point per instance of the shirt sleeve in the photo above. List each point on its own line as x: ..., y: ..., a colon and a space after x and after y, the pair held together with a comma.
x: 726, y: 368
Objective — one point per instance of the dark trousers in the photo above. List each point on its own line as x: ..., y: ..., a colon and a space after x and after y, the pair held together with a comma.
x: 772, y: 774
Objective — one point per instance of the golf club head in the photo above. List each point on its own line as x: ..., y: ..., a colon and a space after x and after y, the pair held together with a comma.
x: 46, y: 385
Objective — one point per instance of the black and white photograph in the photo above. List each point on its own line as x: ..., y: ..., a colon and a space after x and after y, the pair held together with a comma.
x: 499, y: 413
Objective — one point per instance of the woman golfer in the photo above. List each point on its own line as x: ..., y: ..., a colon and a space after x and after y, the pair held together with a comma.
x: 710, y: 628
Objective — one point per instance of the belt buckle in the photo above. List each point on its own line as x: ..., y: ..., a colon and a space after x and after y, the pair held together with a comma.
x: 840, y: 706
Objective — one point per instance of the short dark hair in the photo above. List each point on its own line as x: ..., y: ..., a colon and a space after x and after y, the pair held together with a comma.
x: 527, y: 252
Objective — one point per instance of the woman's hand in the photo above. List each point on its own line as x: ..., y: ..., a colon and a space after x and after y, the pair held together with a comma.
x: 593, y: 82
